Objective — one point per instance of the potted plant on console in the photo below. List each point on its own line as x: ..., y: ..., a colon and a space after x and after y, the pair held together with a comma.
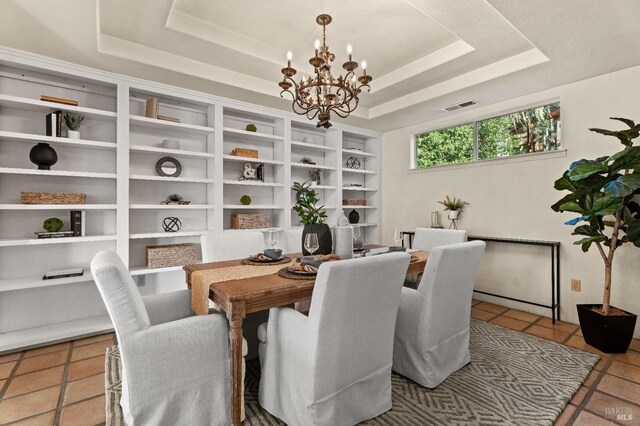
x: 602, y: 192
x: 454, y: 205
x: 312, y: 217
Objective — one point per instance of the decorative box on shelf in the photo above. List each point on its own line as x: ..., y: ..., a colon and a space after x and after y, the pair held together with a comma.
x: 52, y: 198
x: 244, y: 152
x: 354, y: 202
x: 249, y: 221
x: 166, y: 255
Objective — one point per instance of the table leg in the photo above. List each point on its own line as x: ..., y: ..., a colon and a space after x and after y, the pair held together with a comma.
x: 235, y: 317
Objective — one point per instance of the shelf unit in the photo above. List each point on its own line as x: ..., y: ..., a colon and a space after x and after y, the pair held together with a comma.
x: 114, y: 164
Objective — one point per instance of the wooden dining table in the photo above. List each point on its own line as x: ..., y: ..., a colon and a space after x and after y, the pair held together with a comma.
x: 239, y: 297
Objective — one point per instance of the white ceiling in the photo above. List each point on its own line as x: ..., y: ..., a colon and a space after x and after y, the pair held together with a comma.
x: 423, y: 54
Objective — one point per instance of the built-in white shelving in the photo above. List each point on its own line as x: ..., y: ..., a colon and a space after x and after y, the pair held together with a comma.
x: 313, y: 146
x: 356, y: 152
x: 60, y: 173
x: 177, y: 152
x: 82, y: 143
x: 253, y: 207
x: 359, y: 207
x: 357, y: 188
x: 312, y: 166
x: 58, y: 206
x: 154, y: 123
x: 37, y: 282
x: 251, y: 160
x: 166, y: 235
x: 171, y: 207
x: 254, y: 136
x: 63, y: 240
x: 46, y: 107
x: 171, y: 179
x: 252, y: 183
x: 360, y: 171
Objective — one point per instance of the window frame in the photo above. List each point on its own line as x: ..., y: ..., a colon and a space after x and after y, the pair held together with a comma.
x: 476, y: 149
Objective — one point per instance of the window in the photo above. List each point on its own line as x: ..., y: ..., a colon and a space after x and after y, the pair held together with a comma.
x: 522, y: 132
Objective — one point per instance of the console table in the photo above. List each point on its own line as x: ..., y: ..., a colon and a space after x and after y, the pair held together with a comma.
x: 555, y: 268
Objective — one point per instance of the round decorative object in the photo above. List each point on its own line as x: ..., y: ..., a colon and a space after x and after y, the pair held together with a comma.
x: 249, y: 172
x: 43, y: 156
x: 168, y: 166
x: 251, y: 127
x: 245, y: 200
x: 353, y: 163
x: 171, y: 224
x: 53, y: 224
x: 354, y: 216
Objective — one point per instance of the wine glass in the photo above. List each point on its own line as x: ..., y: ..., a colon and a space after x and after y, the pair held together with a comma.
x: 311, y: 243
x: 271, y: 238
x: 357, y: 233
x: 397, y: 237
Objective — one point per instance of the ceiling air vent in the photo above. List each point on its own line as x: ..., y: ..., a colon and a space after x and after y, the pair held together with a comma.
x: 458, y: 106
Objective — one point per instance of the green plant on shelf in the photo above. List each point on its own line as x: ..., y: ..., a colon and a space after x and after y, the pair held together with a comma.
x: 73, y: 122
x: 245, y: 200
x: 251, y: 127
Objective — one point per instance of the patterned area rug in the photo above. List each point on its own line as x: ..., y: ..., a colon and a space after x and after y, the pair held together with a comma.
x: 513, y: 378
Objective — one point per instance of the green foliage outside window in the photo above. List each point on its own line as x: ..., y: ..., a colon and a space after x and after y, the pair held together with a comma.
x: 522, y: 132
x: 446, y: 146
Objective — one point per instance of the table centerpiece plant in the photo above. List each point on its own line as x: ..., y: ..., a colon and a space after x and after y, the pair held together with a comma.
x: 312, y: 217
x: 604, y: 193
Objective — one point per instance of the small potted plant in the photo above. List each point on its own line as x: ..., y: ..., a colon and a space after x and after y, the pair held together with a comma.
x: 454, y: 205
x: 73, y: 123
x: 245, y: 200
x: 312, y: 217
x: 314, y: 175
x: 604, y: 193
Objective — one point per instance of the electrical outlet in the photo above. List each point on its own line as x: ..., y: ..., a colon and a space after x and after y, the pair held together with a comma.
x: 576, y: 285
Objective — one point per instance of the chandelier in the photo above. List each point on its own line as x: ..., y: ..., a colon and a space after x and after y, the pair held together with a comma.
x: 322, y: 93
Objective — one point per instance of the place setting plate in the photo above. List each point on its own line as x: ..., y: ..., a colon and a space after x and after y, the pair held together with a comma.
x: 262, y: 262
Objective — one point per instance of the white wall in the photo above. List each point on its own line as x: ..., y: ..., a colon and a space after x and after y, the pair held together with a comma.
x: 511, y: 198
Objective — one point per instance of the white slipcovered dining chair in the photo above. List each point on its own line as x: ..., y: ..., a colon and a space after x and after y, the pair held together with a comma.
x: 294, y: 240
x: 175, y: 366
x: 334, y: 366
x: 432, y: 329
x: 428, y: 238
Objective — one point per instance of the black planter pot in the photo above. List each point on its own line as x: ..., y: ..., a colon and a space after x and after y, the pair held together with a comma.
x: 324, y: 238
x: 43, y: 156
x: 610, y: 334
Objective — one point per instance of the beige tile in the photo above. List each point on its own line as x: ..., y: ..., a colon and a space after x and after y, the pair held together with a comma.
x: 635, y: 345
x: 35, y: 381
x: 47, y: 349
x: 481, y: 315
x: 89, y: 351
x: 490, y: 307
x: 579, y: 332
x: 474, y: 302
x: 566, y: 414
x: 620, y: 388
x: 601, y: 364
x: 93, y: 339
x: 631, y: 357
x: 42, y: 362
x: 46, y: 419
x: 587, y: 419
x: 609, y: 407
x: 626, y: 371
x: 2, y: 382
x: 521, y: 315
x: 579, y: 395
x: 9, y: 357
x: 547, y: 333
x: 29, y: 404
x: 578, y: 342
x: 6, y: 368
x: 86, y: 367
x: 90, y: 412
x: 84, y: 388
x: 559, y: 325
x: 511, y: 323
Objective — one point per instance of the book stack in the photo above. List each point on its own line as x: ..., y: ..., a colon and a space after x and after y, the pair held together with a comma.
x: 54, y: 123
x: 58, y: 100
x: 59, y: 234
x: 151, y: 108
x: 63, y: 273
x: 77, y: 223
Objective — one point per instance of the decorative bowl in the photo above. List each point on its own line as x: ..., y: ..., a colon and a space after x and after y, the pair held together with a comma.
x: 274, y: 254
x: 314, y: 261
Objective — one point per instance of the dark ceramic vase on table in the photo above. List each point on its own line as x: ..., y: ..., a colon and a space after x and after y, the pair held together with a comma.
x: 43, y: 156
x: 323, y: 232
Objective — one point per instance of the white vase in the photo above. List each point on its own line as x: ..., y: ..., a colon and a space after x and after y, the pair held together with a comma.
x: 73, y: 134
x: 453, y: 214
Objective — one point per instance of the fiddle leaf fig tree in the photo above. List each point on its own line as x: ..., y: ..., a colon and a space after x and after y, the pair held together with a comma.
x: 603, y: 192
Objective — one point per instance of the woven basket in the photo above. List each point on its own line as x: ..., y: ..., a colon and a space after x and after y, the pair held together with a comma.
x: 244, y: 152
x: 170, y: 255
x: 350, y: 202
x: 52, y: 198
x: 249, y: 221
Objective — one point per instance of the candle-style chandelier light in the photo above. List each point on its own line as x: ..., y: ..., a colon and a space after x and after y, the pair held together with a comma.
x: 322, y: 93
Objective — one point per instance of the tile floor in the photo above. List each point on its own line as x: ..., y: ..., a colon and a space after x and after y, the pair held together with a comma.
x: 63, y: 384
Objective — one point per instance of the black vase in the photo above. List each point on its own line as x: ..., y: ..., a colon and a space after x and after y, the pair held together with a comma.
x: 354, y: 216
x: 43, y: 156
x: 325, y: 241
